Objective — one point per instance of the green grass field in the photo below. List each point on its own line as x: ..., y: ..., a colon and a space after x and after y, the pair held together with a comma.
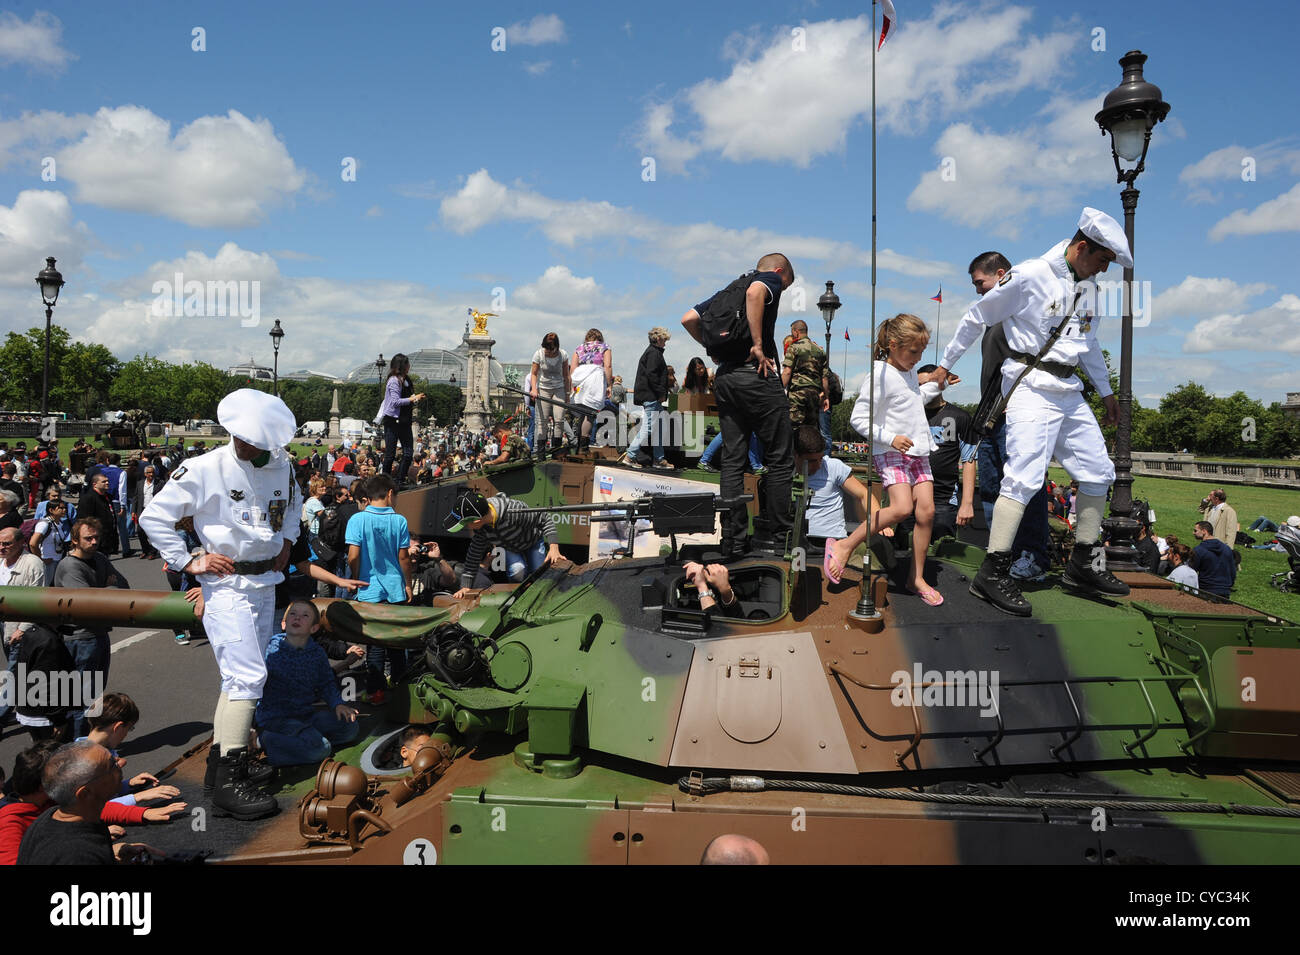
x: 1175, y: 504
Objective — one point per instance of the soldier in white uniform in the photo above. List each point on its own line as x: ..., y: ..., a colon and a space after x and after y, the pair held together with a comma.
x: 1046, y: 413
x: 245, y: 506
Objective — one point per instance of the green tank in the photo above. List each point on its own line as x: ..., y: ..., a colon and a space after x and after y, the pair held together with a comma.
x: 594, y: 714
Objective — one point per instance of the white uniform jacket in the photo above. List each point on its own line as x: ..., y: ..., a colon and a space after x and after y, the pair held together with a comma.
x: 1030, y: 301
x: 243, y: 512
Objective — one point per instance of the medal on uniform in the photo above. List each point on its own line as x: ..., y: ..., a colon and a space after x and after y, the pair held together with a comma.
x: 275, y: 512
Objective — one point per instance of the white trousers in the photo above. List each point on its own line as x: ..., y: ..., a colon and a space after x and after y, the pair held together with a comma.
x: 239, y: 625
x: 1042, y: 425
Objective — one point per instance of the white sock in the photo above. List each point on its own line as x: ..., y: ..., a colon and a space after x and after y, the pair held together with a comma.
x: 235, y: 724
x: 1089, y: 525
x: 1006, y: 521
x: 217, y: 717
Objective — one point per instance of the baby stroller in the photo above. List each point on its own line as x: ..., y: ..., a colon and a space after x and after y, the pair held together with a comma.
x: 1289, y: 580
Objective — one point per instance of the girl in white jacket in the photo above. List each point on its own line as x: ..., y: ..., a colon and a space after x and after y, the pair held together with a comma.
x: 901, y: 445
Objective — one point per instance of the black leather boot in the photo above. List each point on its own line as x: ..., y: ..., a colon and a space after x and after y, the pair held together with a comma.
x: 237, y: 797
x: 1081, y: 574
x: 255, y: 771
x: 210, y: 774
x: 995, y: 584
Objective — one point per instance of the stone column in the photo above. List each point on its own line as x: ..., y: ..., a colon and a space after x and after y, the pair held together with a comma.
x: 477, y: 380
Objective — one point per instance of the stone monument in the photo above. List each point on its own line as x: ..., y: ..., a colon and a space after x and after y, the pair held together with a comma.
x: 334, y: 434
x: 478, y: 371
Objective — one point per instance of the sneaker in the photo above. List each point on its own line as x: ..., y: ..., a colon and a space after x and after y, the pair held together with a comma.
x: 707, y: 467
x: 182, y: 640
x: 1026, y: 568
x: 663, y: 465
x: 760, y: 471
x: 630, y: 462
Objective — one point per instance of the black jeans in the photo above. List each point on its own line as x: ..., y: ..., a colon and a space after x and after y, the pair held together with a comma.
x: 747, y: 405
x: 395, y: 431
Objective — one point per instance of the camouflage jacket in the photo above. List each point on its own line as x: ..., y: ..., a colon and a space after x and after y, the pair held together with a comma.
x: 517, y: 448
x: 807, y: 364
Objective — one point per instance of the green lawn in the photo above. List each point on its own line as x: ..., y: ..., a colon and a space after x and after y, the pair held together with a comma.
x: 1175, y: 501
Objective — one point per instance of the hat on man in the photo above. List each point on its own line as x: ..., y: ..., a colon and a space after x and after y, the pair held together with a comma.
x: 1104, y: 230
x: 469, y: 506
x: 253, y: 416
x: 1294, y: 521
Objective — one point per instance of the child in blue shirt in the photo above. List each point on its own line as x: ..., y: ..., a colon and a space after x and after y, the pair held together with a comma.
x: 298, y: 673
x: 379, y: 541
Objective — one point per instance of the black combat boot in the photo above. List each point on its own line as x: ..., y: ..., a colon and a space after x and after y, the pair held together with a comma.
x: 1081, y: 575
x: 255, y: 771
x: 236, y: 797
x: 210, y: 775
x: 995, y: 584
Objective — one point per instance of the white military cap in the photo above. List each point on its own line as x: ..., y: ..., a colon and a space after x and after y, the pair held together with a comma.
x: 1104, y: 230
x: 263, y: 420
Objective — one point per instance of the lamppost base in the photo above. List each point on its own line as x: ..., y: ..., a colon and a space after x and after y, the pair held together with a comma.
x: 1121, y: 553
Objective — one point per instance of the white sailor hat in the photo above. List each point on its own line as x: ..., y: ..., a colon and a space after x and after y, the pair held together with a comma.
x: 1104, y: 230
x: 263, y: 420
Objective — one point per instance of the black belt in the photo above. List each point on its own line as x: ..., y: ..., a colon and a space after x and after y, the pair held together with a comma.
x: 250, y: 567
x: 1059, y: 369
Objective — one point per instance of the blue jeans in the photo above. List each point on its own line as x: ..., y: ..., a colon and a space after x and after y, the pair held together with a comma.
x: 1032, y: 535
x: 291, y: 742
x: 519, y: 566
x: 123, y: 521
x: 650, y: 431
x: 88, y: 655
x: 532, y: 428
x: 755, y: 451
x: 1262, y: 523
x: 825, y: 422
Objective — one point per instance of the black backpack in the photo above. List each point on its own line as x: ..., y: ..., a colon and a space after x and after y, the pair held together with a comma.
x: 332, y: 529
x: 724, y: 323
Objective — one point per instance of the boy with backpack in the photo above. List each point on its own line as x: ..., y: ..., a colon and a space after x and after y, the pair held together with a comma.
x: 737, y: 327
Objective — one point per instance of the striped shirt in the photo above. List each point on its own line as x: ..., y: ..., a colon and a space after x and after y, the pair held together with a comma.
x: 513, y: 530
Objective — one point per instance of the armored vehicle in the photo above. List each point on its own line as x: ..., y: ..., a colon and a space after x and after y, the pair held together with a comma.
x: 595, y: 713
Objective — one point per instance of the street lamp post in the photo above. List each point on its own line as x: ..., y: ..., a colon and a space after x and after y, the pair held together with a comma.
x: 1129, y: 113
x: 276, y: 334
x: 50, y: 281
x: 829, y: 304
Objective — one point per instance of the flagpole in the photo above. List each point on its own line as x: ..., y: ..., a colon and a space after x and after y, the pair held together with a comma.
x: 938, y: 312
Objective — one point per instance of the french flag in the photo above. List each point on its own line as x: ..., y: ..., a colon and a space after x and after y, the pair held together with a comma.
x: 939, y: 297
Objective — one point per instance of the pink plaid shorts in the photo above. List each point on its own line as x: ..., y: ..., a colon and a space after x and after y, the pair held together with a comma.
x: 894, y: 467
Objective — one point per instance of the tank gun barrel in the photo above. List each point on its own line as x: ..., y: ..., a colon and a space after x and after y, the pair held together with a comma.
x: 54, y: 606
x: 576, y: 409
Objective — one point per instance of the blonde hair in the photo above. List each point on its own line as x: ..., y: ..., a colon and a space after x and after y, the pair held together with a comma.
x: 659, y: 335
x: 899, y: 330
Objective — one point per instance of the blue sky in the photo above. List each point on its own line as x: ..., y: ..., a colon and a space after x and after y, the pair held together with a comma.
x: 524, y: 170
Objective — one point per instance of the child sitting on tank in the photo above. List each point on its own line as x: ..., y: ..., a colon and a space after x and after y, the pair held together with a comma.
x: 298, y: 674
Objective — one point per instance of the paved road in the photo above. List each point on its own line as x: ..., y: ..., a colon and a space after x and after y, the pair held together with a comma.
x: 174, y: 686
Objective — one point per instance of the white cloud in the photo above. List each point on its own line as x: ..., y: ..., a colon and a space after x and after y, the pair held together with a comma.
x: 1196, y: 297
x: 217, y: 171
x: 990, y: 180
x: 31, y: 136
x: 541, y: 29
x: 35, y: 43
x: 954, y: 62
x: 1227, y: 163
x: 1278, y: 325
x: 38, y: 224
x: 697, y: 249
x: 374, y: 212
x: 1281, y: 214
x: 538, y: 68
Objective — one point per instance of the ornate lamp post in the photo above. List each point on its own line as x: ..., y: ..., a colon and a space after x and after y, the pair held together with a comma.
x: 50, y: 280
x: 276, y: 334
x: 829, y: 304
x: 1129, y: 113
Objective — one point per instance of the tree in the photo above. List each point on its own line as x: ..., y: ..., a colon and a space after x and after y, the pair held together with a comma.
x: 85, y: 378
x: 445, y: 403
x: 22, y: 362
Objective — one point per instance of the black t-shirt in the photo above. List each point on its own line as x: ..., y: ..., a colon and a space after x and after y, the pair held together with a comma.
x: 945, y: 459
x: 49, y: 842
x: 1148, y: 554
x: 995, y: 350
x: 773, y: 282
